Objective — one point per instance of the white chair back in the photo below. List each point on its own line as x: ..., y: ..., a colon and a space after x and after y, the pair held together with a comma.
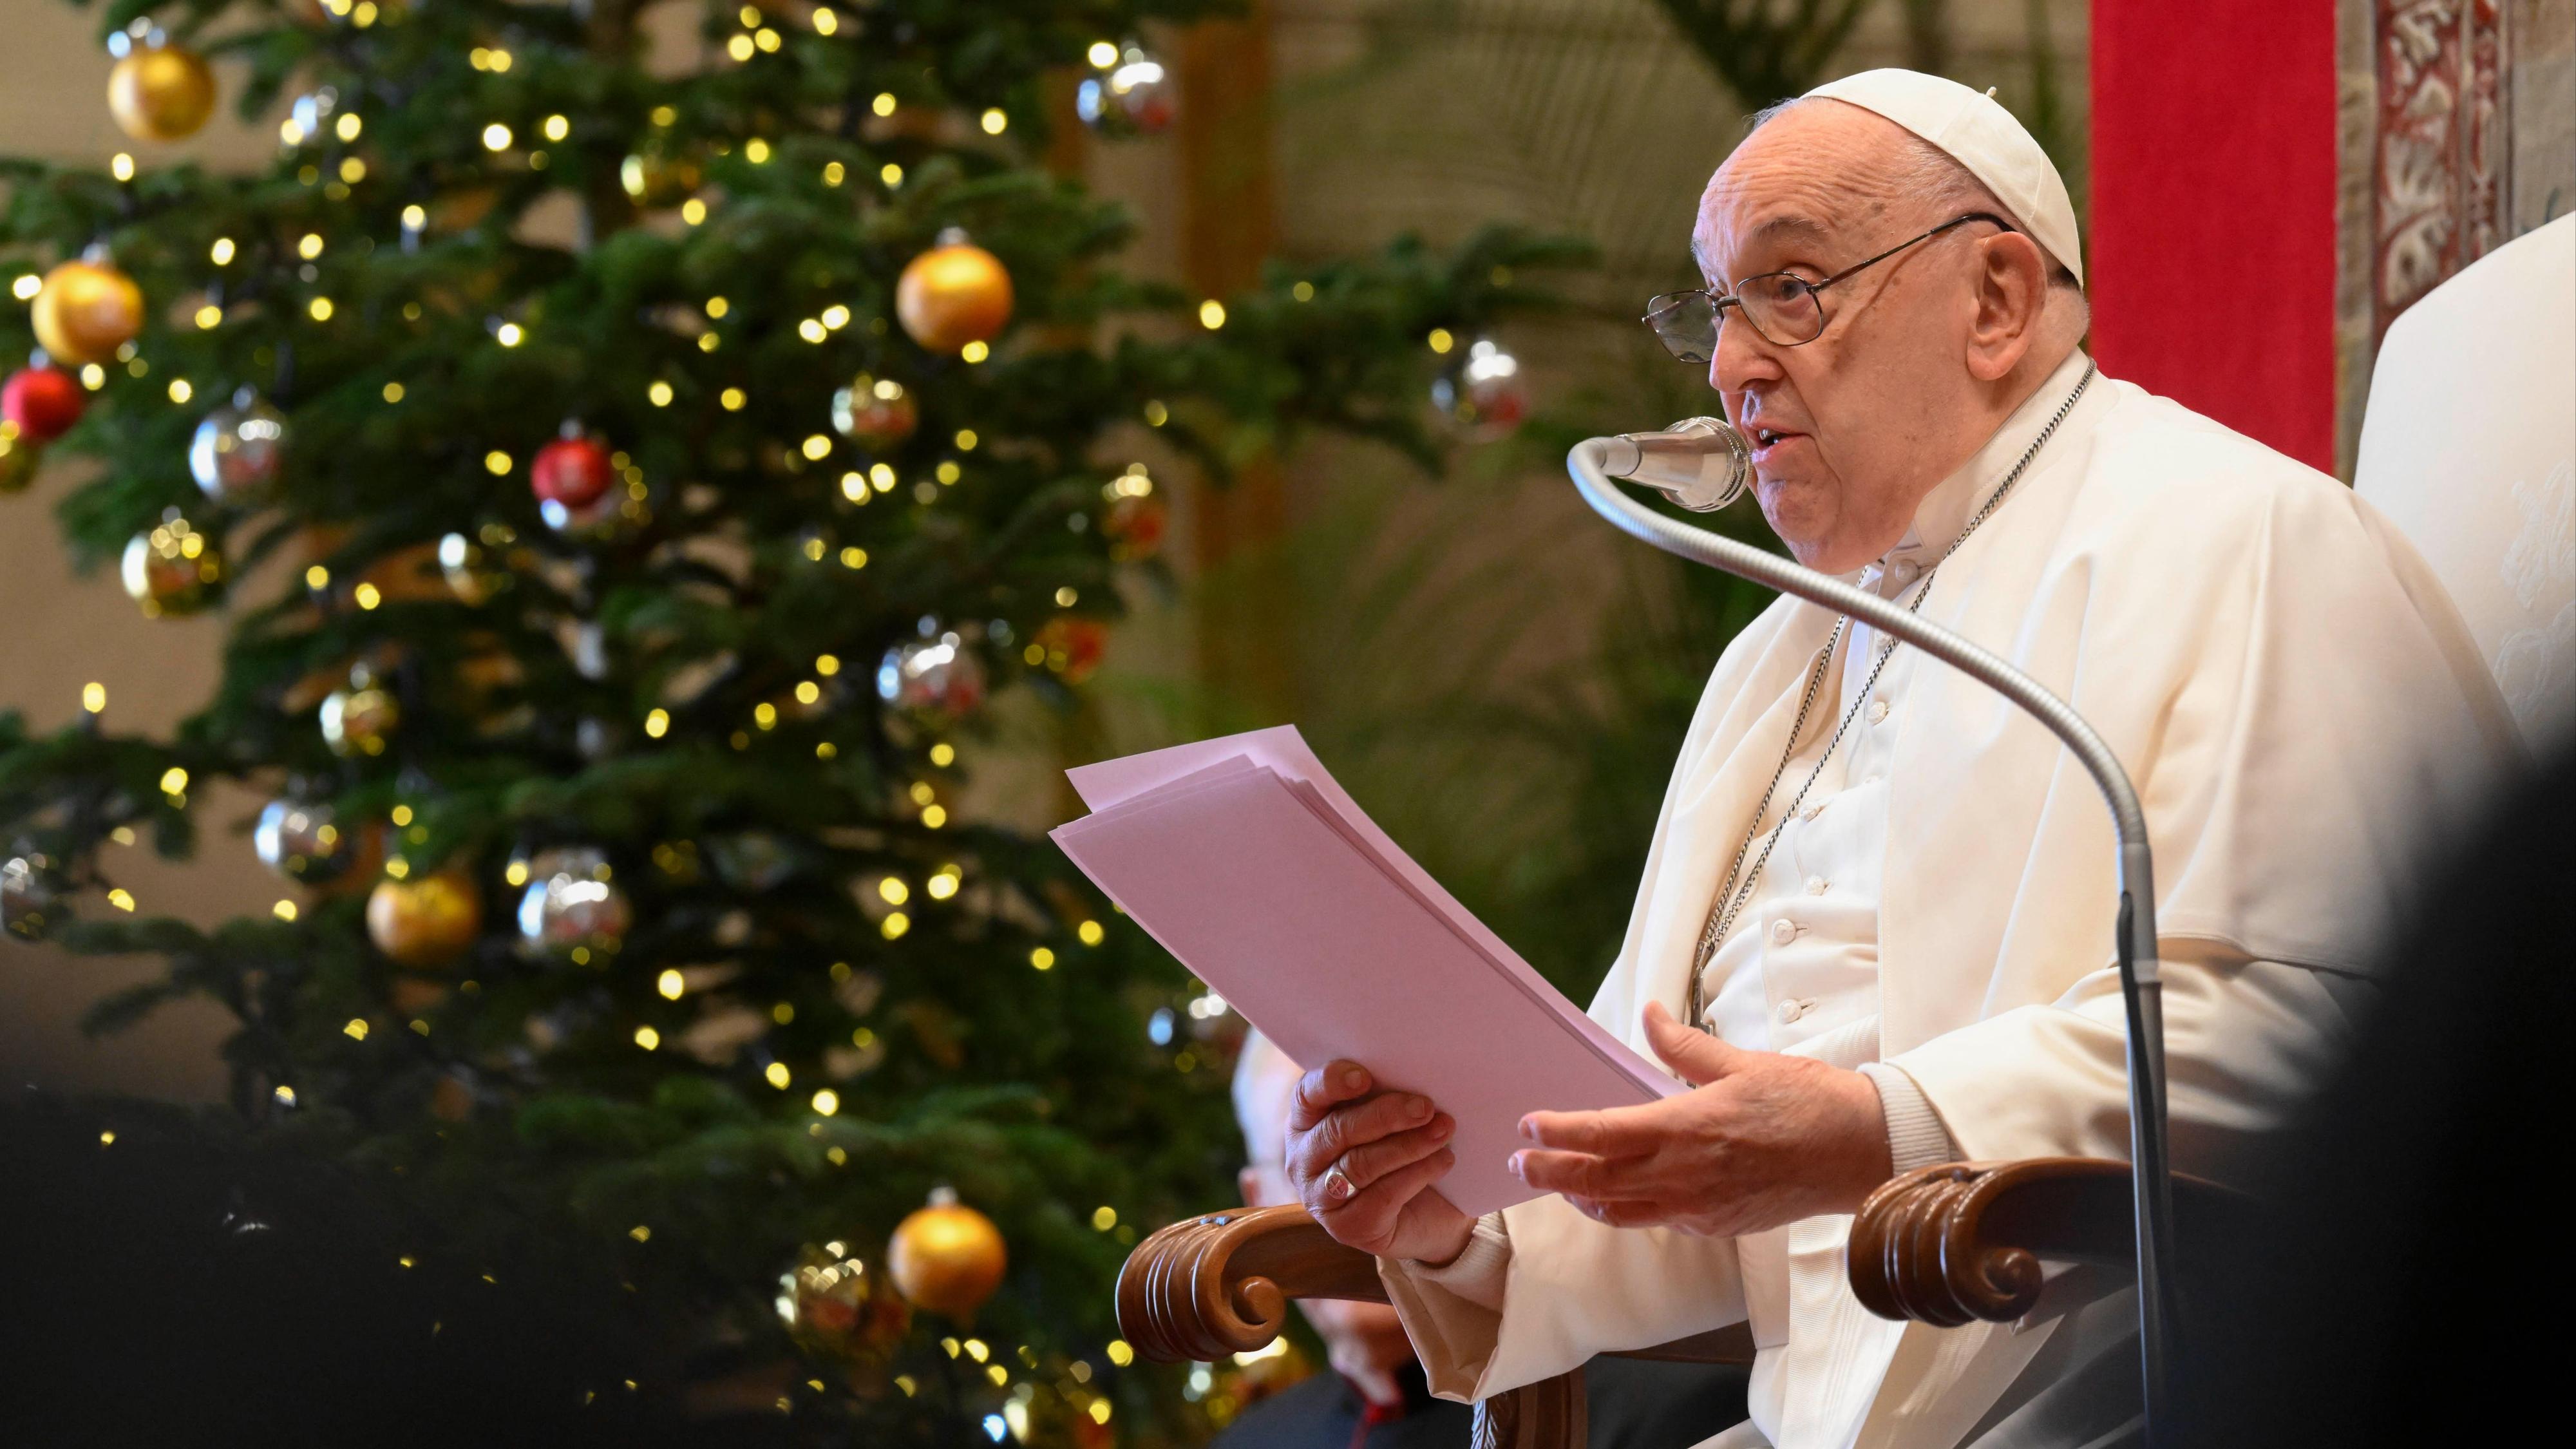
x: 2469, y: 447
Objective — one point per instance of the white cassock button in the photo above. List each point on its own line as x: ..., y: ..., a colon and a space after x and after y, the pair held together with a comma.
x: 1903, y: 571
x: 1815, y: 885
x: 1783, y: 932
x: 1790, y: 1011
x: 1878, y: 711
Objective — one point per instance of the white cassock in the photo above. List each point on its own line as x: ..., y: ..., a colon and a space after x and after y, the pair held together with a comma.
x: 2302, y: 713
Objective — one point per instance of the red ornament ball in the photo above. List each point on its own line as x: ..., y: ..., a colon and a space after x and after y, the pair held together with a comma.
x: 574, y: 472
x: 43, y: 402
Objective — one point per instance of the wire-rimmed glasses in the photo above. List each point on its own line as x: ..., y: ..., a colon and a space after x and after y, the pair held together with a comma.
x: 1782, y: 306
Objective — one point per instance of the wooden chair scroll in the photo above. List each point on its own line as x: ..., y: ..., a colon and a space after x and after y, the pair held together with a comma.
x: 1964, y: 1240
x: 1220, y: 1284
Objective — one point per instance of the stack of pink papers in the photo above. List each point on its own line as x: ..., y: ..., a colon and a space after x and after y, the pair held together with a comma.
x: 1246, y: 861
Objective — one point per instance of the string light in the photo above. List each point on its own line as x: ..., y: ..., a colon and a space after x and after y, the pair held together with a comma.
x: 994, y: 122
x: 1042, y: 958
x: 121, y: 166
x: 497, y: 463
x: 647, y: 1038
x: 733, y: 399
x: 671, y: 984
x: 974, y: 352
x: 659, y: 394
x: 1103, y: 54
x: 657, y: 724
x: 496, y: 137
x: 890, y: 174
x: 209, y: 317
x: 1091, y: 933
x: 694, y: 211
x: 356, y: 1030
x: 756, y: 151
x: 557, y: 127
x: 1303, y: 291
x: 508, y: 334
x: 121, y: 898
x: 393, y: 392
x: 180, y: 391
x: 348, y: 126
x: 309, y: 245
x: 834, y: 173
x: 883, y: 105
x: 1440, y: 340
x: 320, y: 308
x: 317, y: 577
x: 777, y: 1074
x: 739, y: 47
x: 94, y: 697
x: 29, y: 284
x: 283, y: 910
x: 826, y: 1102
x: 1211, y: 314
x: 825, y: 22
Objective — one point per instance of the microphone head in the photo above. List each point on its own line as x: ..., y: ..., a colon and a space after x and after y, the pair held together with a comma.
x: 1702, y: 464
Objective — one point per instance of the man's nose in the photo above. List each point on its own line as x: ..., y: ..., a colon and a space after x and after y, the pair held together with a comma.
x: 1741, y: 359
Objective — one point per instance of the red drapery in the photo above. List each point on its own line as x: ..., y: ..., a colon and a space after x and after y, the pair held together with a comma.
x: 2212, y: 266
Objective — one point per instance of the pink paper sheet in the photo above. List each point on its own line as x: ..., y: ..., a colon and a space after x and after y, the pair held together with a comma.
x: 1251, y: 865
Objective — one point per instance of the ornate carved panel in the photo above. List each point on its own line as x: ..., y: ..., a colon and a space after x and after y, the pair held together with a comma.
x: 2441, y: 175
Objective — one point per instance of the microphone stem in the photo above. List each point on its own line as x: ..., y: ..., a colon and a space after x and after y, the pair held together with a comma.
x: 2141, y: 986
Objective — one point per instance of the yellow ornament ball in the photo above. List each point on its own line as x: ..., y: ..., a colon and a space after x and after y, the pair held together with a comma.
x: 947, y: 1257
x: 161, y: 92
x: 425, y: 922
x: 85, y: 311
x: 953, y: 294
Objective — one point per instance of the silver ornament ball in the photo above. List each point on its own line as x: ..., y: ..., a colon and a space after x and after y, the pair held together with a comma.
x: 1483, y: 392
x: 238, y: 449
x: 934, y: 673
x: 29, y: 904
x: 302, y: 841
x: 572, y: 906
x: 1134, y: 95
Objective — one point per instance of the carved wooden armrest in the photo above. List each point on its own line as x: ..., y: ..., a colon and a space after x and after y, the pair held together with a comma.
x: 1964, y: 1240
x: 1210, y: 1286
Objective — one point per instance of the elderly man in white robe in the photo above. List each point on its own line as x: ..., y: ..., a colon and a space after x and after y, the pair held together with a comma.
x: 1874, y: 931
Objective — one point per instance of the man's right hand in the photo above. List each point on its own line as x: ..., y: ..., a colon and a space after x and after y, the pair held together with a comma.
x: 1364, y: 1163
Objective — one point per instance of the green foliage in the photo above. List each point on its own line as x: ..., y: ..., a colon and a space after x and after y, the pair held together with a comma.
x: 692, y: 690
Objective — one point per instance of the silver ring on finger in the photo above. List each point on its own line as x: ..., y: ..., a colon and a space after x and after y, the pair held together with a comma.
x: 1338, y: 1187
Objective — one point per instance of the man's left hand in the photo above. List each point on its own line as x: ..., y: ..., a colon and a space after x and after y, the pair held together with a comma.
x: 1761, y: 1139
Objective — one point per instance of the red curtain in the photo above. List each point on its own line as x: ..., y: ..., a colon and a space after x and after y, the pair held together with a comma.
x: 2212, y: 266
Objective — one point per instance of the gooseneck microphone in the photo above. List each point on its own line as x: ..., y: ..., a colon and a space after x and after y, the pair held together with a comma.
x: 1704, y: 464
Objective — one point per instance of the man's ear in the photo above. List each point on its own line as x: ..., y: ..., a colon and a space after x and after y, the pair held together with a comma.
x: 1248, y: 1182
x: 2011, y: 293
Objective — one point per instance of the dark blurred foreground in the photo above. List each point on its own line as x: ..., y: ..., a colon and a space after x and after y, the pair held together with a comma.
x: 2407, y: 1288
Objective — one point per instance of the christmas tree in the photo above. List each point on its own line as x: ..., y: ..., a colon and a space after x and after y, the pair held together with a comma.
x: 626, y: 483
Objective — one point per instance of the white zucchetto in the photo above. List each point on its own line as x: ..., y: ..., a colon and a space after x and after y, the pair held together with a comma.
x: 1980, y: 135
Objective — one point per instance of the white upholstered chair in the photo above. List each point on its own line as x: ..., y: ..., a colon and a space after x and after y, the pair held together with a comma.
x: 2469, y: 447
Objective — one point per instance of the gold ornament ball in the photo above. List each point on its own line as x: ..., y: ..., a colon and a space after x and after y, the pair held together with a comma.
x: 425, y: 922
x: 161, y: 92
x: 835, y: 1308
x: 85, y: 311
x: 172, y: 569
x: 359, y: 720
x: 947, y: 1258
x: 953, y: 294
x: 18, y: 460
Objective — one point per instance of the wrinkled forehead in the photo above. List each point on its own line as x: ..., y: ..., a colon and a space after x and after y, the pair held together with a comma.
x: 1805, y: 183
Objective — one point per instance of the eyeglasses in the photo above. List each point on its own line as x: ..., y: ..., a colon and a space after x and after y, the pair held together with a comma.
x: 1782, y: 306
